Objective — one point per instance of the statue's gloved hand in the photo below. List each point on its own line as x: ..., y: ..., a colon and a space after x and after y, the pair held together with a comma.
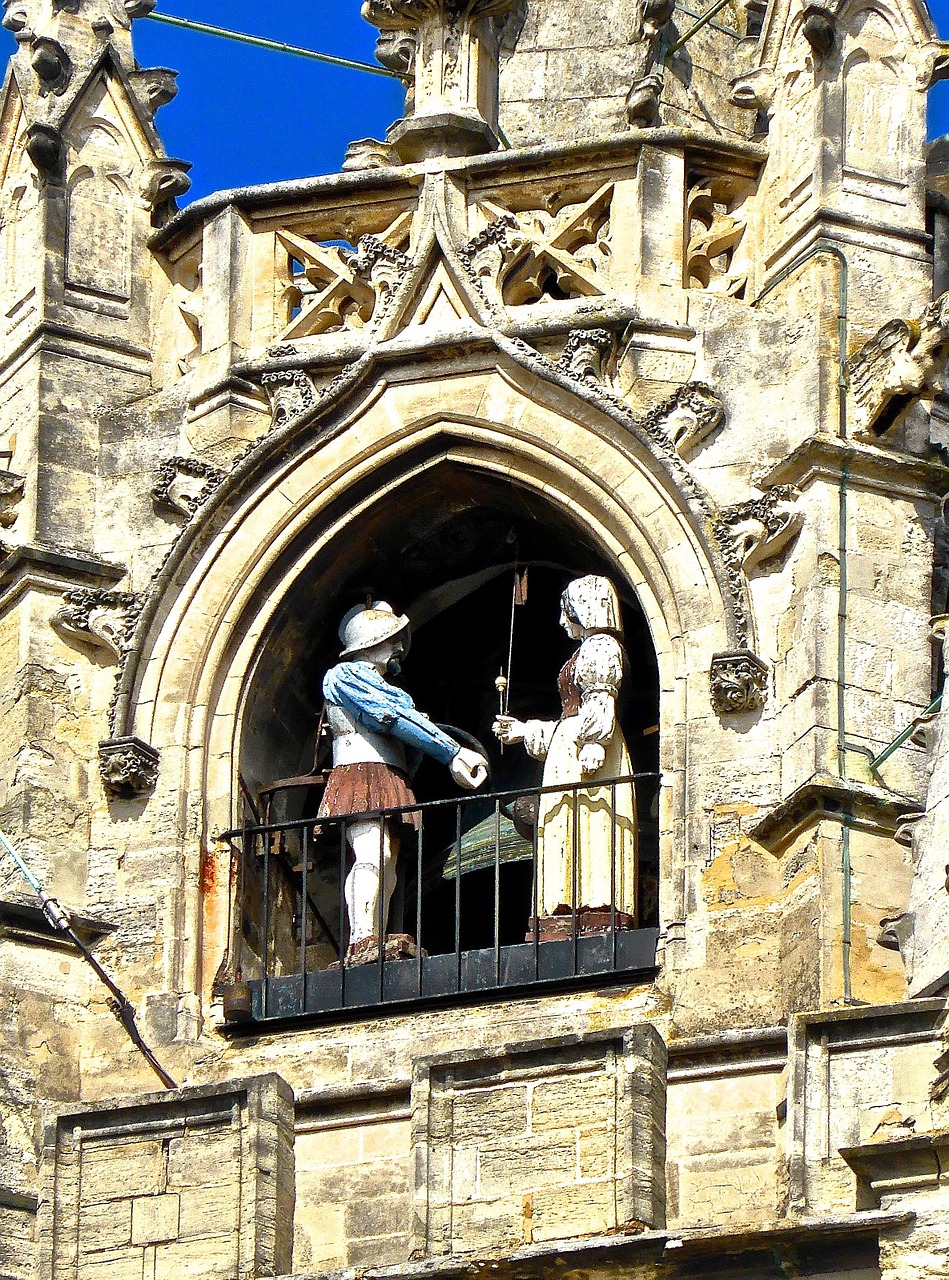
x: 508, y: 729
x: 469, y: 769
x: 591, y: 757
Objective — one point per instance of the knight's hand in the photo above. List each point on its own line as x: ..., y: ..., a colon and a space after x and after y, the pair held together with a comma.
x: 469, y: 769
x: 591, y: 757
x: 508, y: 730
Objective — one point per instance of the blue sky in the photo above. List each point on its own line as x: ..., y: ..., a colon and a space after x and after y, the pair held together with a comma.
x: 244, y: 115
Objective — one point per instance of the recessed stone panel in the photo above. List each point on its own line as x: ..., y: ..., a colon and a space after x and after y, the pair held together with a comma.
x: 193, y: 1182
x: 544, y: 1141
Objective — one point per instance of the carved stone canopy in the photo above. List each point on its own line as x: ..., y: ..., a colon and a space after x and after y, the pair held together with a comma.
x: 453, y: 109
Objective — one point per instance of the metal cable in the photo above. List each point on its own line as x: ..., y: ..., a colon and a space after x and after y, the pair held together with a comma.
x: 121, y: 1006
x: 275, y: 46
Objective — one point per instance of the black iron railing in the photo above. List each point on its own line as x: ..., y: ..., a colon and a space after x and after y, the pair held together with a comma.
x: 465, y: 916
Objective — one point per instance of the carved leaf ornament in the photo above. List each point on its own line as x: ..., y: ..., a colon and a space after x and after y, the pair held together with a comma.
x: 408, y: 13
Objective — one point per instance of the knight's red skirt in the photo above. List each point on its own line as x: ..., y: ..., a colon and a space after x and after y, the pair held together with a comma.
x: 352, y: 789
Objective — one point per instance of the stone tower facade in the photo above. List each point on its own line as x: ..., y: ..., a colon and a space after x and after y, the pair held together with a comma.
x: 630, y: 292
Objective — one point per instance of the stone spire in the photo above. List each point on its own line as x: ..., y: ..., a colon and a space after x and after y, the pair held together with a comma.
x: 453, y: 45
x: 60, y: 45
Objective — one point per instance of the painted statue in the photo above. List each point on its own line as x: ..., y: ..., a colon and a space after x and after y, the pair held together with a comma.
x: 586, y: 746
x: 375, y: 726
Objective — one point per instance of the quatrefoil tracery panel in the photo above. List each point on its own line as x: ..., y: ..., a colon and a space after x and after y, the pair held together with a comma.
x: 334, y: 286
x: 551, y: 255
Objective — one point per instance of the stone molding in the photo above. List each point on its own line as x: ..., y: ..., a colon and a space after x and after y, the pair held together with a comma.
x: 739, y: 682
x: 128, y: 767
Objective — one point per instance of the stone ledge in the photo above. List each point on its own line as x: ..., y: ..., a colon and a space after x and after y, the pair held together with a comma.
x: 825, y: 457
x: 832, y: 798
x: 644, y: 1247
x: 58, y: 566
x: 22, y: 921
x: 896, y: 1166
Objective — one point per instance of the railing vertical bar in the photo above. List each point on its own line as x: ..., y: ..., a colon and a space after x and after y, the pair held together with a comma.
x: 342, y: 915
x: 613, y: 874
x: 535, y: 849
x: 265, y: 943
x: 575, y: 877
x: 457, y: 854
x: 497, y: 893
x: 418, y: 902
x: 380, y: 920
x: 304, y: 882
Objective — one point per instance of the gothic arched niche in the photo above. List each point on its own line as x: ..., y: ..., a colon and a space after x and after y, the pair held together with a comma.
x: 444, y: 552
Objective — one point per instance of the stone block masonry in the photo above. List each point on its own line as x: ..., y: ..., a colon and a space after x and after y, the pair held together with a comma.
x: 194, y: 1182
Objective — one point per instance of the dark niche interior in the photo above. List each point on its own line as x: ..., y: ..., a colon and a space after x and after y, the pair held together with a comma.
x: 444, y: 549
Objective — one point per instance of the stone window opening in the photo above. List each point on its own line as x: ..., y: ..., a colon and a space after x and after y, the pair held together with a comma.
x: 445, y: 554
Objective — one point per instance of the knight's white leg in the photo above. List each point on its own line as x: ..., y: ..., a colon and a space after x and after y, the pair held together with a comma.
x: 373, y: 850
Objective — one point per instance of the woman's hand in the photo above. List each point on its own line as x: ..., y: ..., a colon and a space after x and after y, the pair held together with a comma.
x: 508, y: 730
x: 592, y: 757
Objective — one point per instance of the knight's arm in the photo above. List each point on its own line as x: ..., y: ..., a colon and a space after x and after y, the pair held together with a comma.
x: 382, y: 708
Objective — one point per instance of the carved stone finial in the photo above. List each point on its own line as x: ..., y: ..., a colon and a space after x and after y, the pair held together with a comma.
x: 128, y: 767
x: 739, y: 682
x: 904, y: 359
x: 453, y: 46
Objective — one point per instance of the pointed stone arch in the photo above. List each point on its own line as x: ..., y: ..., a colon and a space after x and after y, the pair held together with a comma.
x: 196, y: 649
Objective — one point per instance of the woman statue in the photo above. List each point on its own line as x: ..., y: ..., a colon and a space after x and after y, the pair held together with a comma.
x: 593, y: 827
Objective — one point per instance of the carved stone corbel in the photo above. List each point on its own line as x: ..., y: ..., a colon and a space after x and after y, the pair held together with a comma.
x: 164, y: 180
x: 97, y: 617
x: 183, y: 484
x: 52, y: 65
x: 11, y: 491
x: 46, y: 148
x: 585, y: 355
x: 738, y: 681
x: 820, y: 30
x: 291, y: 393
x: 642, y: 102
x: 128, y: 767
x: 903, y: 360
x: 761, y: 529
x: 688, y: 416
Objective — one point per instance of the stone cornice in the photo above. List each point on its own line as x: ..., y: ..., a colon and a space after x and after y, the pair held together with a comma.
x: 832, y: 799
x: 867, y: 467
x: 622, y: 147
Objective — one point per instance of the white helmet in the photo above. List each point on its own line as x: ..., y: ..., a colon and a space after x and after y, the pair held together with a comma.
x: 364, y: 628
